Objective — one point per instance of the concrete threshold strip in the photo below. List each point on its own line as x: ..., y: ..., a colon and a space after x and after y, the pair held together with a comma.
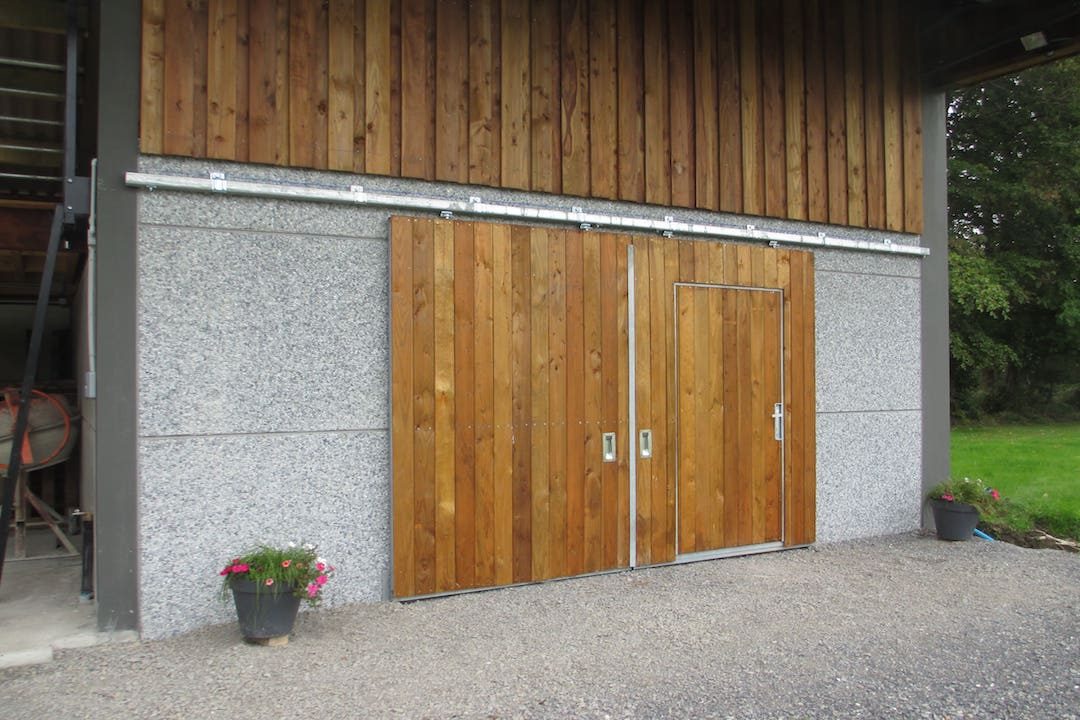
x: 40, y: 655
x: 217, y: 183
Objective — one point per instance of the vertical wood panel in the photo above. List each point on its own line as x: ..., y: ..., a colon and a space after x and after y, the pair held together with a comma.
x: 745, y: 399
x: 401, y: 341
x: 817, y: 130
x: 179, y: 74
x: 575, y: 97
x: 687, y: 442
x: 514, y: 148
x: 772, y: 88
x: 836, y: 115
x: 730, y: 91
x: 875, y: 110
x: 464, y: 429
x: 377, y: 81
x: 321, y: 86
x: 661, y: 308
x: 657, y: 104
x: 631, y: 101
x: 557, y: 407
x: 783, y: 273
x: 200, y: 53
x: 452, y: 91
x: 241, y: 76
x: 396, y: 90
x: 796, y: 495
x: 752, y: 121
x: 262, y: 82
x: 855, y: 114
x: 757, y: 395
x: 809, y: 393
x: 795, y: 95
x: 671, y: 275
x: 715, y: 498
x: 418, y: 106
x: 303, y: 83
x: 445, y: 397
x: 626, y: 443
x: 575, y: 405
x: 540, y: 374
x: 772, y: 351
x: 591, y: 273
x: 484, y: 406
x: 545, y: 83
x: 643, y: 382
x: 681, y: 69
x: 503, y: 353
x: 893, y: 125
x: 730, y: 436
x: 521, y: 375
x: 609, y: 399
x: 484, y: 92
x: 912, y: 119
x: 603, y: 99
x: 343, y: 86
x: 151, y: 110
x: 702, y: 399
x: 424, y: 406
x: 706, y: 118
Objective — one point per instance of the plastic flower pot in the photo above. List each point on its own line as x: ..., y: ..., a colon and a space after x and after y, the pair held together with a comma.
x: 264, y: 613
x: 954, y: 520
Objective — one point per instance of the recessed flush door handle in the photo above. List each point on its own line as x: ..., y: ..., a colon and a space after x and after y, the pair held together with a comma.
x: 645, y: 443
x: 778, y: 421
x: 609, y: 447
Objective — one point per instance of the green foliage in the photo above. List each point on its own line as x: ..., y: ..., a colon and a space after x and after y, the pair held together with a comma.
x: 1034, y: 466
x: 297, y: 567
x: 970, y: 491
x: 1014, y: 246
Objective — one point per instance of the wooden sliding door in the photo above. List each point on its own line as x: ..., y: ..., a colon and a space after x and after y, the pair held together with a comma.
x: 510, y: 365
x: 511, y: 352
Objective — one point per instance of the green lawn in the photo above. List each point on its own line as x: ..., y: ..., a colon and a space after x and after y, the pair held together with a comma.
x: 1035, y: 467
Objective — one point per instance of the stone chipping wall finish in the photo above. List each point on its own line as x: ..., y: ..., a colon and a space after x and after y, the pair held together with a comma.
x: 263, y: 382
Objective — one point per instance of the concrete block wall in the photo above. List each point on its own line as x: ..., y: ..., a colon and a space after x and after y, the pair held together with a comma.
x: 263, y: 382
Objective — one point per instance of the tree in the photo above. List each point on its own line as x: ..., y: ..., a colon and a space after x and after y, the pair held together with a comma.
x: 1014, y: 245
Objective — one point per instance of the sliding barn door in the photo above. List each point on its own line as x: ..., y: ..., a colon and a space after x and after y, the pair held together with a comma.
x: 522, y: 357
x: 510, y: 404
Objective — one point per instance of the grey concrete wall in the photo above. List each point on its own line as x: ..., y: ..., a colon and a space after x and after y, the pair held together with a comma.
x: 263, y: 358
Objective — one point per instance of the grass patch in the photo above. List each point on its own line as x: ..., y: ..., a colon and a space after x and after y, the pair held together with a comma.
x: 1035, y: 467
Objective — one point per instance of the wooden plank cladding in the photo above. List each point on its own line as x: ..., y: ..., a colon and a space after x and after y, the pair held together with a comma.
x: 798, y: 109
x: 509, y: 357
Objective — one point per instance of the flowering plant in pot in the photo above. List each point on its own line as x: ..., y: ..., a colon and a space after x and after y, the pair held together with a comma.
x: 269, y: 583
x: 958, y: 505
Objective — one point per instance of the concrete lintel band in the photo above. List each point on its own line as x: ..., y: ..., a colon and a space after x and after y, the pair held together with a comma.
x: 474, y: 206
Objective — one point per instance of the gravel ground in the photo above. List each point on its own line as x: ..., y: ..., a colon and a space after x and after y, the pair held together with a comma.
x: 903, y: 626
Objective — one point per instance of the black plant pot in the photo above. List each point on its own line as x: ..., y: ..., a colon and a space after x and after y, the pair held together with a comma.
x: 264, y: 613
x: 954, y: 520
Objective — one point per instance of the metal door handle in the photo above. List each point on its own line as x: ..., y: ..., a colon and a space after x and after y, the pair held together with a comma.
x: 778, y: 421
x: 645, y: 442
x: 608, y: 442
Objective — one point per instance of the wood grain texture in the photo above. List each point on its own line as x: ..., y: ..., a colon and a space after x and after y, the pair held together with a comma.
x: 576, y: 361
x: 418, y: 104
x: 706, y: 110
x: 464, y: 422
x: 445, y: 405
x: 452, y: 91
x: 593, y: 381
x: 557, y: 402
x: 504, y: 430
x: 545, y: 123
x: 152, y: 98
x: 574, y: 96
x: 515, y: 140
x: 521, y: 393
x: 793, y: 109
x: 680, y: 66
x: 484, y: 405
x: 423, y: 363
x: 401, y: 399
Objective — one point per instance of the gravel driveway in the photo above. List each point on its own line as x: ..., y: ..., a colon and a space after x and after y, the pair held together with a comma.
x: 902, y: 626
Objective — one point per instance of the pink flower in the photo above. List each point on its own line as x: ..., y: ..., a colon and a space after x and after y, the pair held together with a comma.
x: 226, y: 571
x: 269, y: 581
x: 947, y: 496
x: 995, y: 494
x: 320, y: 566
x: 286, y: 563
x: 312, y: 590
x: 242, y: 567
x: 321, y: 580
